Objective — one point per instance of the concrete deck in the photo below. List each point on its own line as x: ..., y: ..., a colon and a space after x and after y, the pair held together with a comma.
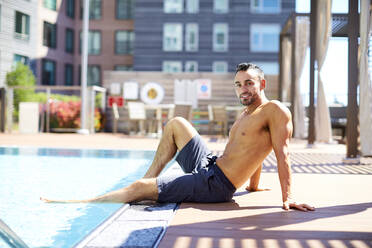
x: 341, y: 193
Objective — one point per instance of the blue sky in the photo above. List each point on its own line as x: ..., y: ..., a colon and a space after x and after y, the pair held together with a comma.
x: 335, y: 66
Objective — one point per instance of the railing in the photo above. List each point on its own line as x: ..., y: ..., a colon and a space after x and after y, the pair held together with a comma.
x: 10, y: 237
x: 91, y: 94
x: 22, y: 36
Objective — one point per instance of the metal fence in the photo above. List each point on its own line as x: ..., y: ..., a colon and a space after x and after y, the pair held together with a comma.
x: 7, y: 104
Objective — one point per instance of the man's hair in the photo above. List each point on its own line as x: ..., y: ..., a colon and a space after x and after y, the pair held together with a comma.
x: 246, y: 66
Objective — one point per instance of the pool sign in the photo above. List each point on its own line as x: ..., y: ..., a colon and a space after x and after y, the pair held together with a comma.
x: 115, y: 89
x: 152, y: 93
x: 131, y: 90
x: 204, y: 87
x: 116, y: 99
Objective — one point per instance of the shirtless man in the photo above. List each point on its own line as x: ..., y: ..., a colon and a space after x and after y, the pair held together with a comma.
x: 263, y: 125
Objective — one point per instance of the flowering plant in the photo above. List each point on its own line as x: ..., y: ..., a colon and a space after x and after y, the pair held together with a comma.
x: 67, y: 115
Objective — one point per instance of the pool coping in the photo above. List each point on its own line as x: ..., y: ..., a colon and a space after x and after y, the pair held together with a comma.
x: 117, y: 222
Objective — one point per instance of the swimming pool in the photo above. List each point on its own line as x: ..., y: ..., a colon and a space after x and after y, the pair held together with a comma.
x: 28, y: 173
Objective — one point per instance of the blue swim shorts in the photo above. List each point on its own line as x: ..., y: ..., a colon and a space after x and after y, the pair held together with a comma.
x: 202, y: 180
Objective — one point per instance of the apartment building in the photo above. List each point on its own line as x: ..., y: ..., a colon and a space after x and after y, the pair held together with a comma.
x: 110, y: 40
x: 18, y: 34
x: 46, y: 34
x: 139, y: 35
x: 208, y: 35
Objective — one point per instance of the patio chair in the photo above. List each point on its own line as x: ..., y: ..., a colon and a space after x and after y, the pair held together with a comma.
x: 137, y: 114
x: 181, y: 109
x: 217, y: 116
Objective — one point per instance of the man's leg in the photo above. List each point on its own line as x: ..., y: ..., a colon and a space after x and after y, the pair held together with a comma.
x: 177, y: 133
x: 142, y: 189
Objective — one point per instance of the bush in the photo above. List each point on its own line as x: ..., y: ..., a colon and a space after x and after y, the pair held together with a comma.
x: 21, y: 76
x: 64, y: 109
x: 67, y: 115
x: 41, y: 97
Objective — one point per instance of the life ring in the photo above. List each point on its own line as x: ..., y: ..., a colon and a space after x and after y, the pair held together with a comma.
x: 152, y: 93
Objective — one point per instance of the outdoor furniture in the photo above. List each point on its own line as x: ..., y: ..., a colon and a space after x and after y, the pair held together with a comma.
x: 338, y: 119
x: 158, y: 117
x: 182, y: 110
x: 217, y: 115
x: 137, y: 114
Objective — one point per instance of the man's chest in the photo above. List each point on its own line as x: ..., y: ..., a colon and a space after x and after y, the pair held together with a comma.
x: 250, y: 125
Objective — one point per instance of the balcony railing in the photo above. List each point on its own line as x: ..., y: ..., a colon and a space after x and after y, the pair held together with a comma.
x: 22, y: 36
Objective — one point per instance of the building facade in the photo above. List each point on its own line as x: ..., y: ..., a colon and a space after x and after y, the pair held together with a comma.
x: 140, y: 35
x: 18, y: 34
x: 110, y: 40
x: 208, y: 35
x: 46, y: 34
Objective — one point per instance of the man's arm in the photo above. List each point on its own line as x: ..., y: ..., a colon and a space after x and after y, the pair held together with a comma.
x: 255, y: 180
x: 280, y: 124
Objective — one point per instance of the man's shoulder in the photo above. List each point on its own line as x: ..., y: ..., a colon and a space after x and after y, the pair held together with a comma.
x: 277, y: 108
x: 275, y: 104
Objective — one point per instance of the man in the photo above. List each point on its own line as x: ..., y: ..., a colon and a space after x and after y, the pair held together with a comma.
x: 263, y: 125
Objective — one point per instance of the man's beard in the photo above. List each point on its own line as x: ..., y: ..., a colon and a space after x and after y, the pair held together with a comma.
x: 248, y: 101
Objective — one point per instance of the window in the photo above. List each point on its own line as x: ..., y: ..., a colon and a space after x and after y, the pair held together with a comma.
x: 20, y: 58
x: 192, y: 6
x: 48, y: 72
x: 124, y: 41
x: 172, y: 37
x: 173, y: 6
x: 50, y: 4
x: 220, y: 37
x: 265, y: 6
x: 94, y: 9
x: 94, y: 75
x: 94, y: 42
x: 192, y: 37
x: 123, y: 68
x: 191, y: 66
x: 220, y: 67
x: 124, y: 9
x: 70, y: 40
x: 50, y: 35
x: 70, y: 8
x: 69, y: 74
x: 221, y: 6
x: 264, y: 37
x: 269, y: 68
x: 172, y: 66
x: 22, y: 26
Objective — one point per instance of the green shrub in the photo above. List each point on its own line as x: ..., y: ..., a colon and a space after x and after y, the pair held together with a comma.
x: 21, y: 75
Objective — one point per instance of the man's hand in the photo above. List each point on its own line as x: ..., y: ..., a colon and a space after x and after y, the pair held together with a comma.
x: 302, y: 207
x: 251, y: 189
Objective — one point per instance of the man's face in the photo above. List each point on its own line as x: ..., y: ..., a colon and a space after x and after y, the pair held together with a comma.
x: 248, y: 86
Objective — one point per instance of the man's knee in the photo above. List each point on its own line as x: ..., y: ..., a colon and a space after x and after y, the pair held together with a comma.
x: 147, y: 187
x: 179, y: 124
x: 177, y: 121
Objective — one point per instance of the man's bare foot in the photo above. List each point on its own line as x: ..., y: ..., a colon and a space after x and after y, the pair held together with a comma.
x: 60, y: 201
x: 45, y: 200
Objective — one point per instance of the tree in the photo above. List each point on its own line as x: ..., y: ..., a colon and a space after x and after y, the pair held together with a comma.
x: 21, y: 75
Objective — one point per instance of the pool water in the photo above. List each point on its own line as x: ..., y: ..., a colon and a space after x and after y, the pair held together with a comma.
x: 28, y: 173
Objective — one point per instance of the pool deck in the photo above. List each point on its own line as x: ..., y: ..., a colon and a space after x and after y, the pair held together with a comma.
x: 341, y: 193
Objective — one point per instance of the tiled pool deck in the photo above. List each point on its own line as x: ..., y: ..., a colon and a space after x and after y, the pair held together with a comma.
x: 341, y: 193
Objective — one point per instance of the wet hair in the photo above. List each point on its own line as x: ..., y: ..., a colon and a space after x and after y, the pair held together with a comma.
x: 246, y: 66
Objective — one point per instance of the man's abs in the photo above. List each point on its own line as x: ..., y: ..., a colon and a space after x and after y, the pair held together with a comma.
x: 240, y: 166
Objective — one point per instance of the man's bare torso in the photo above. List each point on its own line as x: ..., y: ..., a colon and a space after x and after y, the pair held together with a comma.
x: 249, y: 143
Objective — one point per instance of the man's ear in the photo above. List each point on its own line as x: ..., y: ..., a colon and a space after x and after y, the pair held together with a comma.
x: 263, y: 84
